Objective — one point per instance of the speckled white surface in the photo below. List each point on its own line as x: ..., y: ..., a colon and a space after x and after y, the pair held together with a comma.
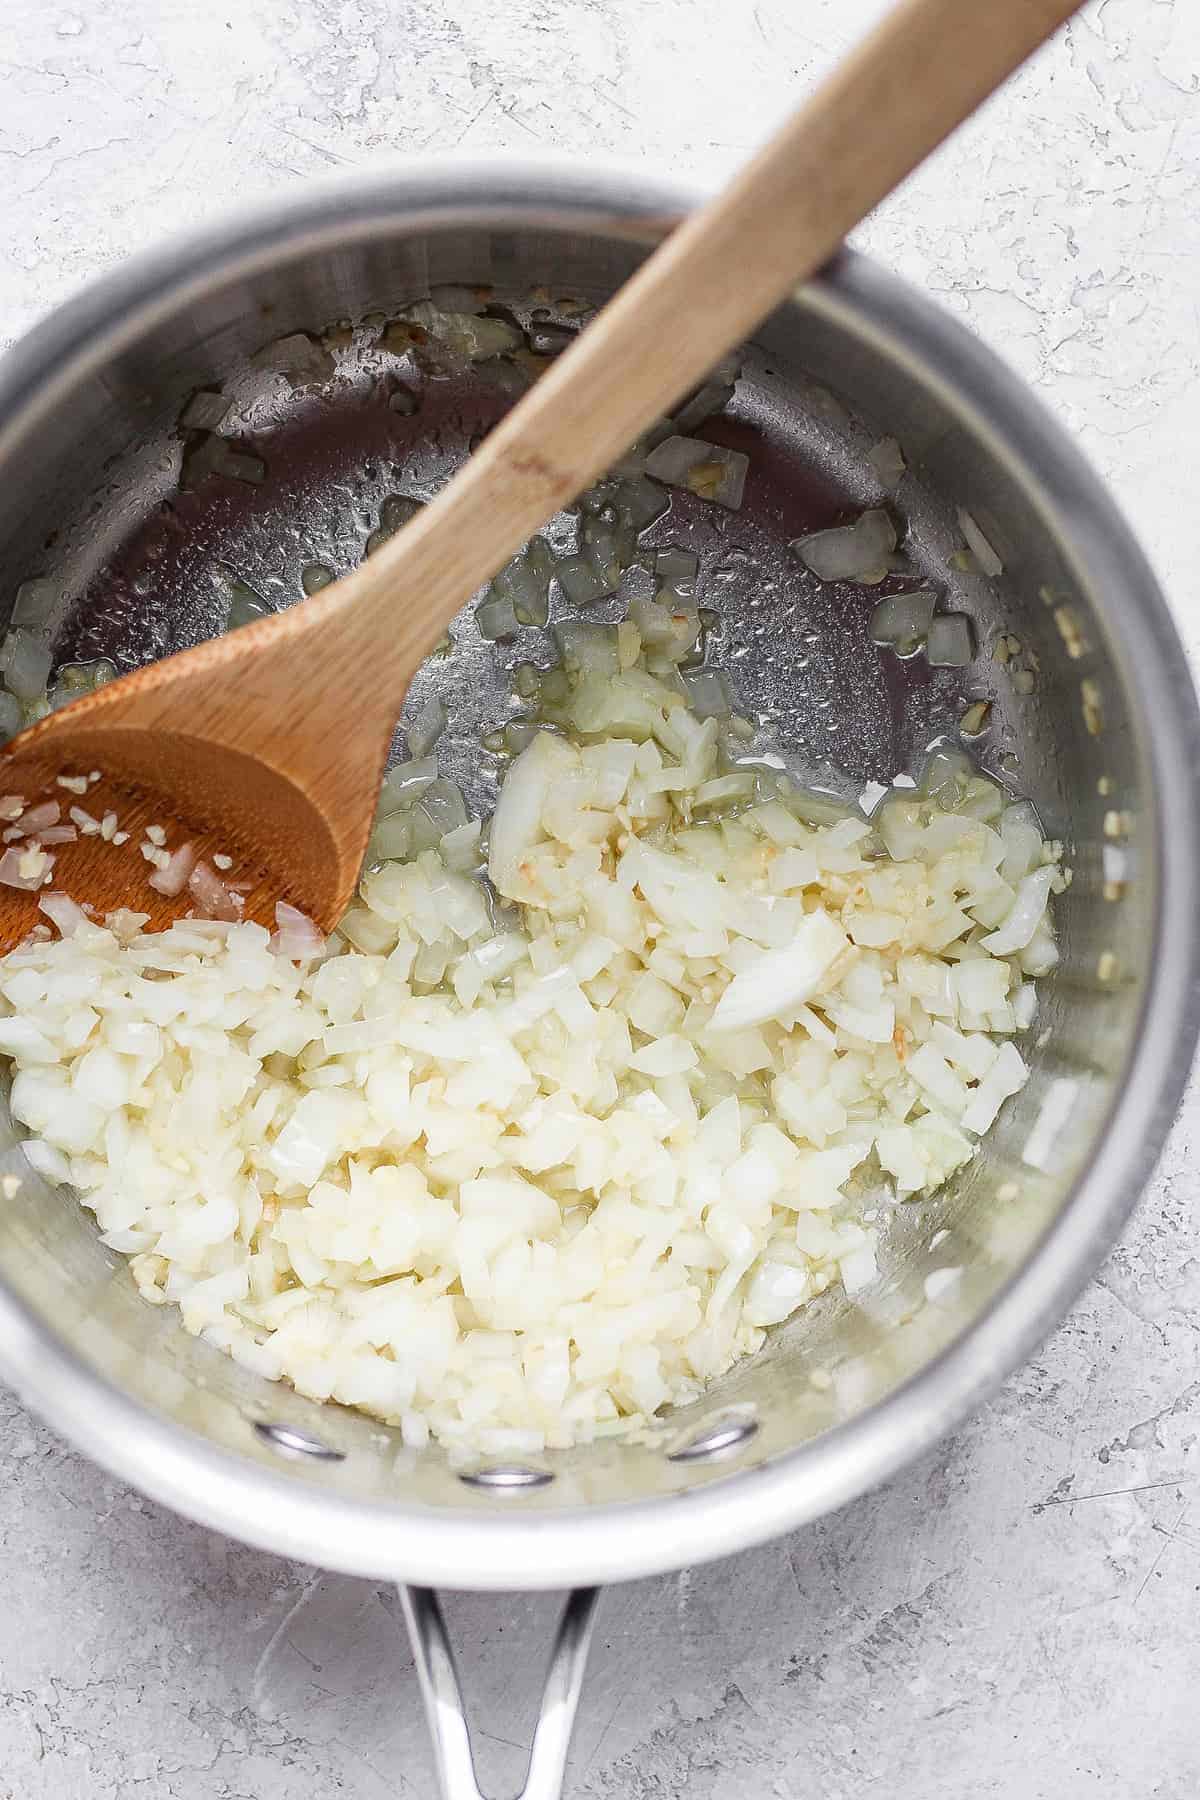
x: 1016, y: 1618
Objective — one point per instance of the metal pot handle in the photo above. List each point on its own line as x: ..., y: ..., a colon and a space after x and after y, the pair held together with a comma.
x: 443, y: 1698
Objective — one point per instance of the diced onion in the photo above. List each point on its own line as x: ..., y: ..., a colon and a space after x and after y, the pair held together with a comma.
x: 454, y: 297
x: 858, y: 552
x: 675, y: 565
x: 988, y: 562
x: 496, y: 619
x: 887, y: 460
x: 301, y: 357
x: 63, y: 912
x: 34, y: 603
x: 465, y: 335
x: 213, y: 898
x: 25, y: 659
x: 215, y: 455
x: 427, y: 727
x: 296, y: 937
x: 708, y: 470
x: 404, y: 784
x: 583, y: 580
x: 902, y: 620
x: 24, y: 868
x: 205, y: 411
x: 524, y: 583
x: 1033, y: 897
x: 711, y: 398
x: 174, y: 875
x: 516, y: 822
x: 708, y: 693
x: 948, y: 642
x: 517, y: 1159
x: 591, y: 648
x: 782, y: 979
x: 35, y: 819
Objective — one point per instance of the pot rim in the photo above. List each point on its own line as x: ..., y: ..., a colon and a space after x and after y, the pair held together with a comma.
x: 609, y: 1542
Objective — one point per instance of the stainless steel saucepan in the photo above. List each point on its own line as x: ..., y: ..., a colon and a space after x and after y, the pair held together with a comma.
x: 1092, y: 715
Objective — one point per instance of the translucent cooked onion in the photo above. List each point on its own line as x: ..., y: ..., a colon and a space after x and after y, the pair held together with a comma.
x: 404, y: 784
x: 887, y: 460
x: 301, y: 357
x: 708, y: 693
x: 988, y: 562
x: 607, y: 543
x: 948, y: 643
x: 640, y: 501
x: 519, y: 1161
x: 392, y: 839
x: 455, y: 297
x: 25, y: 659
x: 444, y: 807
x: 205, y: 411
x: 901, y: 622
x: 427, y: 727
x: 858, y: 552
x: 674, y: 565
x: 672, y: 628
x: 34, y: 603
x: 589, y: 648
x: 397, y: 510
x: 215, y: 455
x: 245, y: 607
x: 496, y: 619
x: 524, y: 583
x: 464, y: 335
x: 711, y: 398
x: 583, y: 580
x: 1026, y: 913
x: 708, y: 470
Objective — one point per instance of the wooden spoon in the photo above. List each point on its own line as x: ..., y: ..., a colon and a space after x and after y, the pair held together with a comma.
x: 268, y: 745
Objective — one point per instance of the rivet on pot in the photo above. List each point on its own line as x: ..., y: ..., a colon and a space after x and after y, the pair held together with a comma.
x: 289, y: 1440
x: 720, y: 1435
x: 507, y: 1478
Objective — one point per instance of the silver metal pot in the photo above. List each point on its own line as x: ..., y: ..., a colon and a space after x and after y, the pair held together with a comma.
x: 1106, y: 743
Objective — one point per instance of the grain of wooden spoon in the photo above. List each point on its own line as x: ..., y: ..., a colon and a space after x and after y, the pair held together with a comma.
x: 269, y: 744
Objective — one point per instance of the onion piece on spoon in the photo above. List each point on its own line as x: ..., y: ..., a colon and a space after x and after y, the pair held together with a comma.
x: 173, y: 877
x: 63, y: 912
x: 212, y: 897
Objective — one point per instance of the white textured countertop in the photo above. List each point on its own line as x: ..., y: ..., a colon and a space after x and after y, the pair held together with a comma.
x: 1017, y: 1616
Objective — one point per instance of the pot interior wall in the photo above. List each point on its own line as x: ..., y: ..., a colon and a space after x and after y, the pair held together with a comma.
x: 91, y: 498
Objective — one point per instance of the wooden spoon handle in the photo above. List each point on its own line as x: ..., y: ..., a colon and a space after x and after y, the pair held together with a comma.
x: 924, y: 69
